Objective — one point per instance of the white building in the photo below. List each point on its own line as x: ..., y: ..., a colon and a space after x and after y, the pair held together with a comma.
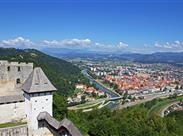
x: 38, y: 92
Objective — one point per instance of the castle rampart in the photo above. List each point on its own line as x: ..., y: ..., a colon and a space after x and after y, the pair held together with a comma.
x: 20, y: 130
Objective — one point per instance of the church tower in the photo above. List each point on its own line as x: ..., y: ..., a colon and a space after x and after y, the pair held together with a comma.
x: 38, y: 93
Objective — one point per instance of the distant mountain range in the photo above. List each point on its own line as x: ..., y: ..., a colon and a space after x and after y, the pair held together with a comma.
x: 159, y: 57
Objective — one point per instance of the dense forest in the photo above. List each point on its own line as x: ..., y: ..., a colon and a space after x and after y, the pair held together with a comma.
x: 131, y: 121
x: 178, y: 117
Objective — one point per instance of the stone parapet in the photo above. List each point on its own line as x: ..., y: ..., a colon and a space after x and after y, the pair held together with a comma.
x: 20, y: 130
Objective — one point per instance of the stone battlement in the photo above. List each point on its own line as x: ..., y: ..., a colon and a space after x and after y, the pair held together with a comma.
x: 20, y: 130
x: 4, y: 62
x: 16, y: 71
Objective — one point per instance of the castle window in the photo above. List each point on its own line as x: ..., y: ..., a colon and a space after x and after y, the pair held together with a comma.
x: 8, y: 68
x: 35, y: 100
x: 46, y: 99
x: 18, y: 68
x: 18, y: 81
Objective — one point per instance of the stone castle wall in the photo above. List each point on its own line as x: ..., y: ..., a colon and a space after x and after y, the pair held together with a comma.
x: 20, y: 130
x: 7, y: 87
x: 12, y: 112
x: 15, y: 70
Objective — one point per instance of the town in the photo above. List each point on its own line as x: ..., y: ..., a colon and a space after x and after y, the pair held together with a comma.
x: 133, y: 81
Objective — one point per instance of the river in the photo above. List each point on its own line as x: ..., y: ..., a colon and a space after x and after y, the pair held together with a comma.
x: 112, y: 104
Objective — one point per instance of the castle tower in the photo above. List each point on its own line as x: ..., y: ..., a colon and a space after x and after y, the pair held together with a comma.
x: 38, y: 93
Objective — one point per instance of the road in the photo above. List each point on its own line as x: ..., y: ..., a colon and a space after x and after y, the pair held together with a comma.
x: 148, y: 97
x: 162, y: 110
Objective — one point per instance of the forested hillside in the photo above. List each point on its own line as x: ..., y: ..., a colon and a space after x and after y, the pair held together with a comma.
x: 132, y: 121
x: 63, y: 74
x: 178, y: 117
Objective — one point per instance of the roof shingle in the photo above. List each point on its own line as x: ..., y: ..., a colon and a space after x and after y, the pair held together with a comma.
x: 37, y: 82
x: 11, y: 99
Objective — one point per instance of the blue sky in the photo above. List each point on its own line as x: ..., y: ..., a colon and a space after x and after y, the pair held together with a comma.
x: 110, y: 25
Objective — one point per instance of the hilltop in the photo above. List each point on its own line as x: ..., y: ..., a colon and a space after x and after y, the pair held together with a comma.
x: 63, y: 74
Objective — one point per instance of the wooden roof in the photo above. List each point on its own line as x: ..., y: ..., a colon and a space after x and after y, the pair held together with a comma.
x: 67, y: 124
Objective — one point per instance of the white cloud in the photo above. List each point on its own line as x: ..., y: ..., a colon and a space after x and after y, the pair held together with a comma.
x: 67, y: 43
x: 103, y: 46
x: 178, y: 42
x: 111, y: 47
x: 21, y: 42
x: 167, y: 46
x: 16, y: 42
x: 157, y: 45
x: 176, y: 45
x: 122, y: 45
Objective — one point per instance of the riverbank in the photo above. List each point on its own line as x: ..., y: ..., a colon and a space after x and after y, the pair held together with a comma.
x: 111, y: 89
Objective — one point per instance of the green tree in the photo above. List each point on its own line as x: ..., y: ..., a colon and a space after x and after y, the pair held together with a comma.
x: 59, y: 106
